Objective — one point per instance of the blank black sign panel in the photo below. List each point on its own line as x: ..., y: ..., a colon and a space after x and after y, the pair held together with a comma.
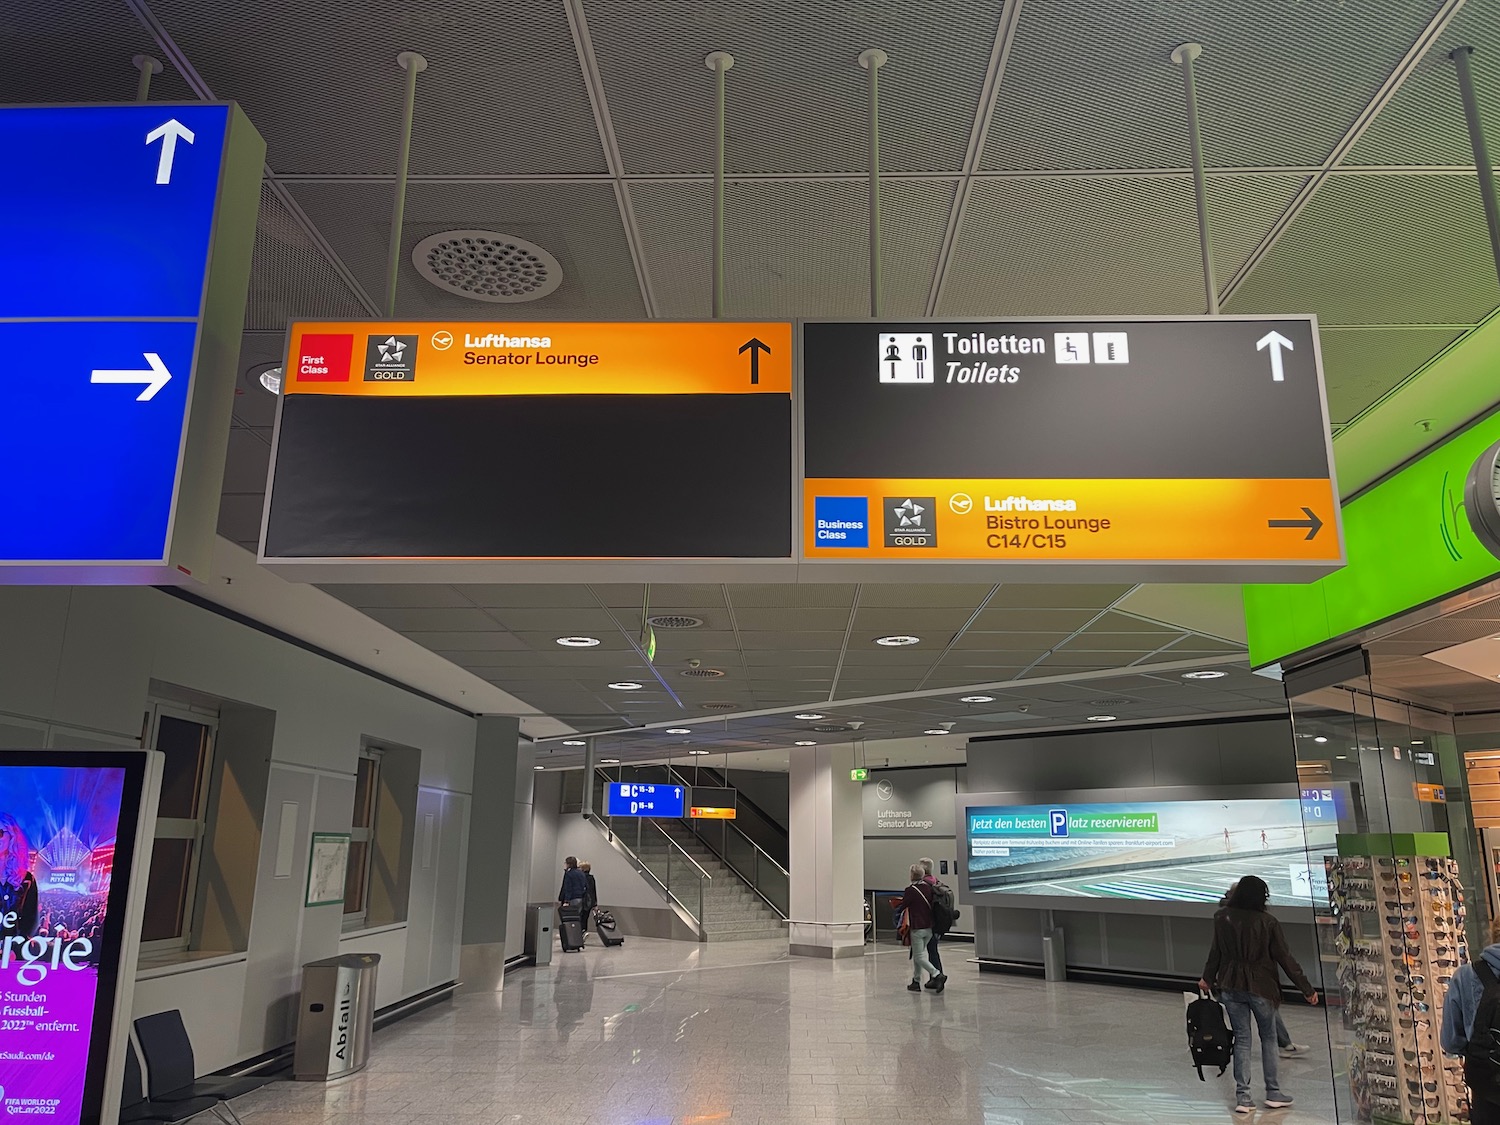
x: 532, y: 476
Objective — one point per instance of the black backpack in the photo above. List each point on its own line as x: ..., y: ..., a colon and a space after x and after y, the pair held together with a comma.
x: 1482, y: 1055
x: 944, y: 910
x: 1210, y: 1038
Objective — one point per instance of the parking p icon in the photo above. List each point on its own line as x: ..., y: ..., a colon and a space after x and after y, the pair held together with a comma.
x: 1057, y: 820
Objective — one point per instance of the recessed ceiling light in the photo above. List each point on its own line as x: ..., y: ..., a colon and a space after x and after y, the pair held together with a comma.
x: 697, y: 753
x: 270, y: 379
x: 804, y: 742
x: 935, y: 730
x: 1418, y: 742
x: 1341, y: 757
x: 810, y: 716
x: 578, y: 642
x: 1101, y: 718
x: 679, y: 730
x: 898, y: 640
x: 1321, y: 738
x: 977, y: 699
x: 574, y: 742
x: 538, y: 767
x: 1205, y: 674
x: 625, y: 685
x: 609, y: 761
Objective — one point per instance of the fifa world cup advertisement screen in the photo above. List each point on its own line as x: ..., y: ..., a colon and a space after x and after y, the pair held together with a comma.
x: 1152, y: 850
x: 67, y: 834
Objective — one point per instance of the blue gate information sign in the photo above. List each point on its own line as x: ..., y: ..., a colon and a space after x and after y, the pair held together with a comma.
x: 629, y: 798
x: 105, y: 293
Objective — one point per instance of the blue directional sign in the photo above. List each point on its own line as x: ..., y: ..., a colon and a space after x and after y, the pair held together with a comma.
x: 629, y: 798
x: 122, y: 288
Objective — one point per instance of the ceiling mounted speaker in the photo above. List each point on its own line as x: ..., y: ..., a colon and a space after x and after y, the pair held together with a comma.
x: 485, y: 265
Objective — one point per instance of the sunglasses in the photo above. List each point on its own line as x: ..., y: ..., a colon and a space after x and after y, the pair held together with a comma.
x: 1418, y: 1025
x: 1413, y: 1056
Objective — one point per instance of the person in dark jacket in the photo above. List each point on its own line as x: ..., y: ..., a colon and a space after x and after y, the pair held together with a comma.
x: 1248, y: 946
x: 591, y: 897
x: 1460, y: 1007
x: 1284, y: 1044
x: 574, y: 886
x: 916, y: 903
x: 932, y: 946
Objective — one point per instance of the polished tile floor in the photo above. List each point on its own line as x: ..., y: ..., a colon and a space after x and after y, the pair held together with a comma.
x: 671, y: 1033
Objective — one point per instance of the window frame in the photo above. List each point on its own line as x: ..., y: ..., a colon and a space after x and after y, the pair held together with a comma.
x: 364, y: 834
x: 181, y: 828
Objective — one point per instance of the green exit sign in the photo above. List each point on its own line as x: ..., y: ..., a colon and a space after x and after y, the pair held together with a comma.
x: 859, y: 775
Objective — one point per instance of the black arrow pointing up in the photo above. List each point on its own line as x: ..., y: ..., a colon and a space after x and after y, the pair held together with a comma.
x: 754, y: 347
x: 1312, y: 523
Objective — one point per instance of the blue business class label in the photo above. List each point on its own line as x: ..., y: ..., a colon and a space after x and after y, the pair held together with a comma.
x: 88, y: 466
x: 841, y: 521
x: 116, y: 207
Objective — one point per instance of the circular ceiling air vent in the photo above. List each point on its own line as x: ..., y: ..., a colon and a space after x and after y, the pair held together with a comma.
x: 701, y: 673
x: 485, y: 265
x: 674, y: 621
x: 831, y: 728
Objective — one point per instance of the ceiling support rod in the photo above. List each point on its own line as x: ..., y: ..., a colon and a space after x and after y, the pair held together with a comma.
x: 413, y: 64
x: 1482, y: 165
x: 872, y: 60
x: 719, y: 62
x: 147, y: 65
x: 1183, y: 56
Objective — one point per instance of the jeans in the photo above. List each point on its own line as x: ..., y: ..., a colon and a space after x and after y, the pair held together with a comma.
x: 919, y: 961
x: 932, y: 953
x: 1283, y: 1036
x: 1243, y: 1008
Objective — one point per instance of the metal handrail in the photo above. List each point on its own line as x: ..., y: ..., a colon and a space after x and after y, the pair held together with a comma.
x: 685, y: 854
x: 671, y: 770
x: 607, y: 824
x: 662, y: 888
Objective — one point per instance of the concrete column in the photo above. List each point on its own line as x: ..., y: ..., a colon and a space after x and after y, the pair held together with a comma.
x: 499, y: 861
x: 827, y: 852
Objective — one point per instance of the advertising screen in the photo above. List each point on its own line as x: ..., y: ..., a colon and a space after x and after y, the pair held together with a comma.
x: 1166, y: 851
x: 67, y: 836
x: 629, y: 798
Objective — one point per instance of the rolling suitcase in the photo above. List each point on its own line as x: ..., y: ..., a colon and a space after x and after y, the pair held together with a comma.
x: 570, y: 928
x: 604, y: 926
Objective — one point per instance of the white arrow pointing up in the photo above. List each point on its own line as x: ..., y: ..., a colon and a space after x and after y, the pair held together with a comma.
x: 1275, y: 341
x: 168, y: 134
x: 155, y: 377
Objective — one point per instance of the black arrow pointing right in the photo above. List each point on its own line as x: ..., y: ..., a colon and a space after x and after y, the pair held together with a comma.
x: 754, y: 347
x: 1312, y: 523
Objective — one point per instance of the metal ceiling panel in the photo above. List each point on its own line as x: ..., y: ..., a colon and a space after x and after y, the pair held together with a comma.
x: 529, y: 596
x: 503, y: 91
x: 417, y: 595
x: 1016, y: 595
x: 993, y: 620
x: 796, y: 98
x: 290, y: 276
x: 407, y: 619
x: 79, y: 51
x: 239, y: 519
x: 1090, y: 84
x: 798, y: 248
x: 1083, y: 246
x: 1381, y: 250
x: 578, y: 223
x: 449, y: 641
x: 831, y: 595
x: 1424, y: 122
x: 549, y: 624
x: 1361, y: 366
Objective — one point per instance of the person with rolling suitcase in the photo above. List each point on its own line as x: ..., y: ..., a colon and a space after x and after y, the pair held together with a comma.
x: 570, y: 898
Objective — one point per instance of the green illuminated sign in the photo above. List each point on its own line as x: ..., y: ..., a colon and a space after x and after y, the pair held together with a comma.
x: 1408, y: 541
x: 859, y: 775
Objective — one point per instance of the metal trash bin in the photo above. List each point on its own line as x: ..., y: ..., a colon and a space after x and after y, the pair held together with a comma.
x: 540, y: 922
x: 1054, y: 958
x: 337, y: 1017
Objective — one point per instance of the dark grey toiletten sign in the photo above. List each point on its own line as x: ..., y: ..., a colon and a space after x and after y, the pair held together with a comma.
x: 1183, y: 447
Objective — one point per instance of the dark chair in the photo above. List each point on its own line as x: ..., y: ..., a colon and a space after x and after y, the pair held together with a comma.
x: 172, y: 1075
x: 135, y: 1109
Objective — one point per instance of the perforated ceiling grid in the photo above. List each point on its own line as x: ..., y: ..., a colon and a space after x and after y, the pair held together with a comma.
x: 1360, y: 365
x: 796, y: 98
x: 320, y: 80
x: 290, y: 277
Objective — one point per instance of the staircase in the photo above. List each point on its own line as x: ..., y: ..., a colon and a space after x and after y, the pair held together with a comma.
x: 731, y: 910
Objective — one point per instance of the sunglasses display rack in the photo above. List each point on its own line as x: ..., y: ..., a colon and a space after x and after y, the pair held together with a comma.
x: 1400, y: 940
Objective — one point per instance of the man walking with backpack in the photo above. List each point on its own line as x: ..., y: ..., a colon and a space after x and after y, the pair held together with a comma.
x: 943, y: 917
x: 1471, y: 1028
